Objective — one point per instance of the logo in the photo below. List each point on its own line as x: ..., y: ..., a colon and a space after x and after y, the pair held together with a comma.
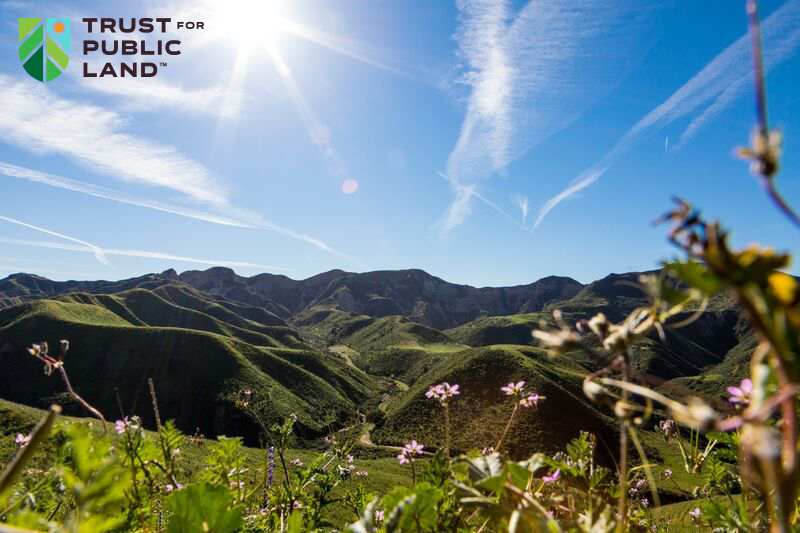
x: 44, y: 47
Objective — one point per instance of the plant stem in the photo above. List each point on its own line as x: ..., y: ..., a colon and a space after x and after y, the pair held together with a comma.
x: 446, y: 431
x: 507, y: 429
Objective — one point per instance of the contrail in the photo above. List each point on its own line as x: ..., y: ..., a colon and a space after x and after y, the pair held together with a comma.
x: 98, y: 252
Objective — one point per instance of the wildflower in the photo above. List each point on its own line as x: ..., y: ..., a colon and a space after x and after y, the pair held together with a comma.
x: 121, y: 425
x: 695, y: 513
x: 641, y: 482
x: 297, y: 462
x: 552, y: 477
x: 402, y: 458
x: 513, y: 388
x: 169, y: 487
x: 349, y: 458
x: 741, y: 394
x: 666, y: 426
x: 645, y: 502
x: 271, y: 471
x: 237, y: 485
x: 667, y: 473
x: 378, y: 518
x: 293, y: 417
x: 362, y: 473
x: 298, y: 505
x: 22, y: 440
x: 413, y: 448
x: 442, y: 392
x: 176, y: 452
x: 248, y: 393
x: 487, y: 451
x: 530, y: 400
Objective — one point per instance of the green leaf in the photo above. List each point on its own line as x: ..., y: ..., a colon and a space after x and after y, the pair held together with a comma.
x: 203, y: 508
x: 696, y: 275
x: 295, y: 523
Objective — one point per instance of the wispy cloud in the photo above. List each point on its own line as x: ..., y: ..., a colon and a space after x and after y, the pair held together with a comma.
x: 61, y: 182
x: 708, y: 92
x: 532, y: 73
x: 96, y: 250
x: 251, y: 220
x: 141, y: 253
x: 461, y: 208
x: 37, y: 120
x: 148, y: 94
x: 524, y: 206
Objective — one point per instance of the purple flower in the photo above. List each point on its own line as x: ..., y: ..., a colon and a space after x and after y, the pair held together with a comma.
x: 248, y: 393
x: 402, y: 458
x: 378, y: 517
x: 297, y: 462
x: 349, y: 458
x: 121, y: 425
x: 413, y: 448
x: 513, y: 388
x: 667, y: 473
x: 695, y: 513
x: 487, y: 451
x: 552, y: 477
x: 169, y: 487
x: 530, y: 400
x: 645, y: 502
x: 442, y: 392
x: 741, y: 394
x: 22, y: 440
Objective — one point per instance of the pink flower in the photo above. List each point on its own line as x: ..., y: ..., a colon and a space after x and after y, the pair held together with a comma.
x: 530, y: 400
x: 121, y: 425
x: 443, y: 392
x: 378, y: 517
x: 349, y: 458
x: 552, y: 477
x: 741, y: 394
x: 413, y: 448
x: 235, y: 484
x: 22, y: 440
x: 248, y: 393
x: 513, y: 388
x: 169, y: 487
x: 402, y: 458
x: 645, y: 502
x: 667, y: 473
x: 695, y: 513
x: 487, y: 451
x: 297, y: 462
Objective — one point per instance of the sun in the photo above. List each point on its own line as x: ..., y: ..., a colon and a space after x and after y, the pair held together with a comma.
x: 251, y: 23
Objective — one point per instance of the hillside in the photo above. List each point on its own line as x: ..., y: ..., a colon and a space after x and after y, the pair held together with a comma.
x: 197, y: 361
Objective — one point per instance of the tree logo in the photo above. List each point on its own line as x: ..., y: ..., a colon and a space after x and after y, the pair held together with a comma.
x: 44, y: 46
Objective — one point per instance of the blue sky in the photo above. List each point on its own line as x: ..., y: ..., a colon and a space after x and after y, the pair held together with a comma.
x: 486, y: 142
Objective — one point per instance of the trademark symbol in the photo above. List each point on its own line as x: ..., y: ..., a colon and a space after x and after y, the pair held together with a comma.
x: 163, y: 64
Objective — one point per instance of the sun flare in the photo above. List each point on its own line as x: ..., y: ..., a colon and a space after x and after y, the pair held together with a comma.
x: 251, y: 23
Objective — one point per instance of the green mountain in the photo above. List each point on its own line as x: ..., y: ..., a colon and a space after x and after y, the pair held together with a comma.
x: 338, y: 346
